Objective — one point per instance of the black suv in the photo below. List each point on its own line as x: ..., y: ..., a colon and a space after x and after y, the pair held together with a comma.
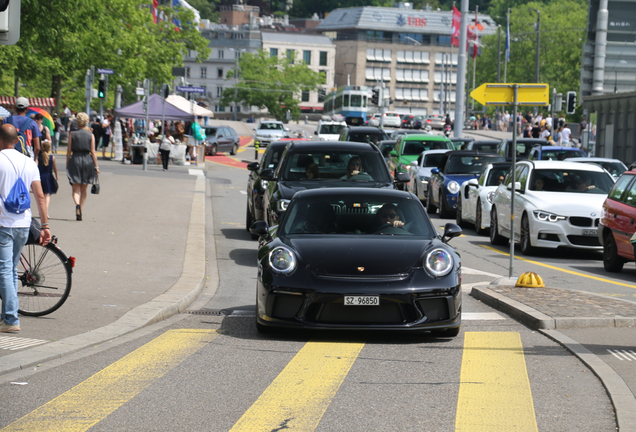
x: 524, y: 146
x: 221, y: 139
x: 363, y: 134
x: 317, y: 164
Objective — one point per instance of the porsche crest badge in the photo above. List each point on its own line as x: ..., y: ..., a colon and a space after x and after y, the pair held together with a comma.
x: 360, y: 269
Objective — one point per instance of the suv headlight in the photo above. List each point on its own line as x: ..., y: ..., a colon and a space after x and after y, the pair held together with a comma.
x: 453, y: 187
x: 282, y: 260
x: 405, y: 167
x: 544, y: 216
x: 438, y: 263
x: 282, y: 205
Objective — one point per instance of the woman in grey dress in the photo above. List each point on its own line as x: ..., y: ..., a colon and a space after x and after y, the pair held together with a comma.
x: 81, y: 162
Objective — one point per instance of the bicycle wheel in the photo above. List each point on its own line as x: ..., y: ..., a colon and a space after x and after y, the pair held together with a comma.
x: 44, y: 279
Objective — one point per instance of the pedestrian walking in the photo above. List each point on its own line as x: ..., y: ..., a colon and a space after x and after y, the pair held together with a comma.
x: 107, y: 133
x: 164, y: 148
x: 14, y: 227
x: 566, y: 136
x: 81, y: 162
x: 48, y: 172
x: 44, y: 130
x: 27, y: 126
x: 55, y: 143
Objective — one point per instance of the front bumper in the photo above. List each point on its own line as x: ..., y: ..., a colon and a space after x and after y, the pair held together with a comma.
x: 573, y: 232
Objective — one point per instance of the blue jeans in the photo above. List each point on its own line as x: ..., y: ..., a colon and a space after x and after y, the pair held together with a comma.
x: 11, y: 242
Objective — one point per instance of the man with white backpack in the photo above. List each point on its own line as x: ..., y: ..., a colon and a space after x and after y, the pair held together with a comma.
x: 17, y: 173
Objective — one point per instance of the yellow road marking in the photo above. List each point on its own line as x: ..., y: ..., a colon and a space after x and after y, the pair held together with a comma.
x: 562, y: 269
x: 494, y: 390
x: 94, y: 399
x: 297, y: 399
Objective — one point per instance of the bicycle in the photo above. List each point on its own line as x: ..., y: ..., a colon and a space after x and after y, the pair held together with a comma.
x: 44, y: 275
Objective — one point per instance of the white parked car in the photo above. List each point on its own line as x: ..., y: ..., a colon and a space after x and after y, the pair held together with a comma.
x: 557, y: 204
x: 613, y: 166
x: 475, y: 196
x: 420, y: 172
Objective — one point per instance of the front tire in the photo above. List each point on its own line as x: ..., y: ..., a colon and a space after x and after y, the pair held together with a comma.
x: 495, y: 238
x: 444, y: 211
x: 478, y: 220
x: 526, y: 245
x: 458, y: 216
x: 234, y: 149
x: 213, y: 150
x: 611, y: 260
x: 430, y: 208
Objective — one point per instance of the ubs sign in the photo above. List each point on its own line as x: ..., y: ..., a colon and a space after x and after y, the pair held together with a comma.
x: 411, y: 21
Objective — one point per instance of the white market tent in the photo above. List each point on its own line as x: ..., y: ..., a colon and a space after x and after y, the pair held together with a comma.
x: 186, y: 105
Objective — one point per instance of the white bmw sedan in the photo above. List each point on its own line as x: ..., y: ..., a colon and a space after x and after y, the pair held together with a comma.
x: 420, y: 172
x: 475, y: 196
x: 557, y: 204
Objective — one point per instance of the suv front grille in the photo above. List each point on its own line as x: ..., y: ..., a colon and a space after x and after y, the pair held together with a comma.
x: 583, y: 221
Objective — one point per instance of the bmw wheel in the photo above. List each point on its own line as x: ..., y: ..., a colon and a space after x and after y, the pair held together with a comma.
x: 526, y: 245
x: 495, y: 238
x: 611, y: 260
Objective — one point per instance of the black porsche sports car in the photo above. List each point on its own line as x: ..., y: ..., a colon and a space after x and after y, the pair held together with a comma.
x: 358, y: 259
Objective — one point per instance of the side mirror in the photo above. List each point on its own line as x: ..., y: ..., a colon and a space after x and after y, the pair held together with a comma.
x: 402, y: 177
x: 253, y: 166
x: 268, y: 174
x: 517, y: 186
x: 260, y: 228
x: 393, y: 153
x: 471, y: 182
x: 435, y: 171
x: 451, y: 231
x: 414, y: 164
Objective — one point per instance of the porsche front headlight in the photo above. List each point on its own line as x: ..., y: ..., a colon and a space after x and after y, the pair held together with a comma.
x: 264, y: 184
x: 453, y: 187
x: 490, y: 197
x: 544, y: 216
x: 438, y: 263
x: 282, y: 260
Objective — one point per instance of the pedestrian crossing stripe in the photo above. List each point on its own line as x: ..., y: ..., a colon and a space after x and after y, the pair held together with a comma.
x: 13, y: 343
x: 94, y: 399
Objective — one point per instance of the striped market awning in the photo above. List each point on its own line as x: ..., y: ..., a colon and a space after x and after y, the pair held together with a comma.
x: 34, y: 102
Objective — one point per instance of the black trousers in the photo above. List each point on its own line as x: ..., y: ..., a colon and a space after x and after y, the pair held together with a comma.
x: 165, y: 158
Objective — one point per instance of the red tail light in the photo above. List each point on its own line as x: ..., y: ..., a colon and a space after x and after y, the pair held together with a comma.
x: 72, y: 261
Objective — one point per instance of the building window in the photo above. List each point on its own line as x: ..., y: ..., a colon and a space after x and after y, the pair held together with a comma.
x: 187, y: 72
x: 380, y: 55
x: 417, y: 57
x: 445, y: 58
x: 322, y: 94
x: 305, y: 96
x: 204, y: 72
x: 377, y: 73
x: 411, y: 75
x: 379, y: 36
x: 411, y: 38
x: 219, y: 73
x: 219, y: 91
x: 323, y: 58
x: 273, y: 52
x: 290, y: 56
x: 438, y: 77
x: 221, y: 53
x: 413, y: 94
x: 307, y: 57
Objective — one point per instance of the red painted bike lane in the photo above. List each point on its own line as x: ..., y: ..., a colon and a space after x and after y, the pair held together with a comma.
x: 233, y: 161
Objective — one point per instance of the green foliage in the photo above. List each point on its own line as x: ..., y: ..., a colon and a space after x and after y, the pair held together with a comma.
x: 61, y: 39
x: 271, y: 82
x: 562, y: 35
x: 208, y: 9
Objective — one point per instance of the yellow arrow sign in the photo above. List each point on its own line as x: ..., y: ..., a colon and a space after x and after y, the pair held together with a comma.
x: 503, y: 94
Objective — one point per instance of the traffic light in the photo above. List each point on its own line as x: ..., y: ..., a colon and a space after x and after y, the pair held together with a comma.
x: 101, y: 89
x: 571, y: 103
x: 375, y: 97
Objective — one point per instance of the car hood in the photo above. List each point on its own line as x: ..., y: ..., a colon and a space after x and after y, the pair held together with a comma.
x: 459, y: 178
x: 287, y: 189
x: 269, y: 133
x: 376, y: 254
x: 567, y: 204
x: 424, y: 171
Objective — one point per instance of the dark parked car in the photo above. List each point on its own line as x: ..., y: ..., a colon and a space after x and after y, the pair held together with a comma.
x: 257, y: 186
x: 326, y: 267
x: 331, y: 164
x: 221, y: 139
x: 455, y: 168
x: 554, y: 153
x: 459, y: 143
x: 486, y: 146
x: 417, y: 122
x: 407, y: 120
x: 363, y: 134
x: 616, y: 226
x: 524, y: 146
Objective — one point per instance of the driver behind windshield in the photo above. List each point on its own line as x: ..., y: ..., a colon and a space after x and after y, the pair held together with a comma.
x: 354, y: 167
x: 388, y: 216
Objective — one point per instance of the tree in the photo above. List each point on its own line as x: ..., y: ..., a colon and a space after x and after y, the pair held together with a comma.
x: 271, y: 82
x: 563, y: 26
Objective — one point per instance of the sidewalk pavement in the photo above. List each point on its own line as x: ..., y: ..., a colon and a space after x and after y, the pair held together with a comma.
x: 141, y: 258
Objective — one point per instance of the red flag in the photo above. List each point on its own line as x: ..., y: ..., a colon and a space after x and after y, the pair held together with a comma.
x: 457, y: 18
x: 155, y: 5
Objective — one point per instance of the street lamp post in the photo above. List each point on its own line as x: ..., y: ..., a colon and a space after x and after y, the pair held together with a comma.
x: 536, y: 61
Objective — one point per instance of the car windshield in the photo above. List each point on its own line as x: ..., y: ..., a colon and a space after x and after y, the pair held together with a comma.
x: 335, y: 165
x: 523, y: 149
x: 433, y: 160
x: 614, y: 168
x: 560, y: 154
x: 469, y: 164
x: 570, y: 181
x: 210, y: 131
x: 386, y: 149
x: 496, y: 176
x: 413, y: 147
x: 365, y: 137
x: 485, y: 147
x: 271, y: 126
x: 330, y: 129
x: 345, y: 214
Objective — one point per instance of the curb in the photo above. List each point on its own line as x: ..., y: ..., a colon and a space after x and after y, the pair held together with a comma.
x: 174, y: 301
x: 540, y: 321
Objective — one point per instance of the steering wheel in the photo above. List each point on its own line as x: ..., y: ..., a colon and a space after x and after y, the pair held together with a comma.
x: 388, y: 228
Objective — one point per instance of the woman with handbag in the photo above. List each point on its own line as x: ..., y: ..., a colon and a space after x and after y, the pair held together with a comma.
x: 47, y: 167
x: 81, y: 163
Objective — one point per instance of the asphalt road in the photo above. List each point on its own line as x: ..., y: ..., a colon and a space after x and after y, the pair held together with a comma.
x: 213, y: 371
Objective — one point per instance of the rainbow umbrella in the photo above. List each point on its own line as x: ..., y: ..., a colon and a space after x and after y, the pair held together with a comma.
x: 48, y: 120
